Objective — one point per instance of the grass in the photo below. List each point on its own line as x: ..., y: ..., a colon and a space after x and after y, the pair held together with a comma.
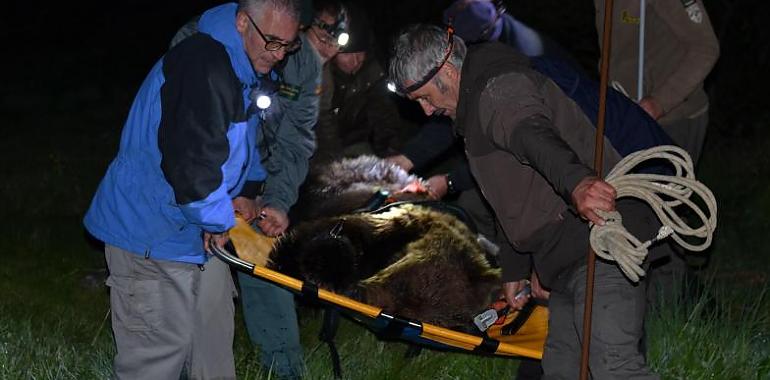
x: 722, y: 336
x: 719, y: 335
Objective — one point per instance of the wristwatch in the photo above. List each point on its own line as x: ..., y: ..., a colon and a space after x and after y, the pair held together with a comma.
x: 450, y: 185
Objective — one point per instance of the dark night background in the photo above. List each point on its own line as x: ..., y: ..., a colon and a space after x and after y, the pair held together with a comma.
x: 69, y: 57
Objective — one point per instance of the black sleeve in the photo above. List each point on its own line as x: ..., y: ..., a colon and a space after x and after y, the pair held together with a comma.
x: 515, y: 266
x: 385, y: 123
x: 537, y: 144
x: 201, y: 96
x: 462, y: 179
x: 433, y: 139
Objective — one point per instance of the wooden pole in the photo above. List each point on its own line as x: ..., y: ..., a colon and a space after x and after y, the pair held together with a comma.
x: 598, y: 159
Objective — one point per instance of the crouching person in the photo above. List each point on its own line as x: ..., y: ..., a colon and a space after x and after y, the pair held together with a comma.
x: 529, y: 147
x: 187, y: 161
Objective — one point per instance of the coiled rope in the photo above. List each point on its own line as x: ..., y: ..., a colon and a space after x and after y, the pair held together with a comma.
x: 665, y: 194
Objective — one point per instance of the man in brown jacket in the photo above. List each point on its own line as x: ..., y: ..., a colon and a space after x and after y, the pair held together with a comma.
x: 680, y: 49
x: 529, y: 146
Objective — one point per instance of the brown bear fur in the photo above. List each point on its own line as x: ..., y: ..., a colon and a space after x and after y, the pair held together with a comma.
x: 409, y: 260
x: 343, y: 186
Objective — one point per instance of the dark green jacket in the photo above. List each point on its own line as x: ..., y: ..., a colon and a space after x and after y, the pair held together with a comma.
x: 358, y: 109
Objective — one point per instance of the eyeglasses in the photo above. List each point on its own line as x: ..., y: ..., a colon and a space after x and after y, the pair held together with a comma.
x: 430, y: 74
x: 330, y: 41
x: 272, y: 44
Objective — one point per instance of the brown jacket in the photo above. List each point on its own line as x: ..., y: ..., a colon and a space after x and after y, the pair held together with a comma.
x: 528, y: 146
x: 680, y: 50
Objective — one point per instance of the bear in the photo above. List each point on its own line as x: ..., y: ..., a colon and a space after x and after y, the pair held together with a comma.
x: 410, y: 260
x: 344, y: 186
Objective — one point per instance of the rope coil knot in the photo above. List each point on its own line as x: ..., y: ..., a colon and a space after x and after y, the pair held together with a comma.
x: 665, y: 194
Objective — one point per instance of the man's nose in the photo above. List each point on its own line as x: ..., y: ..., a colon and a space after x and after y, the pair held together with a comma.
x: 427, y: 108
x: 279, y: 54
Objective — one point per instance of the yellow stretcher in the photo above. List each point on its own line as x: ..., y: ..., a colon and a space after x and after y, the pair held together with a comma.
x: 521, y: 334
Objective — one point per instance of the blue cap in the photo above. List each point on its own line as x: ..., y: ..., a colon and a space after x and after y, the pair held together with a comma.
x: 474, y: 20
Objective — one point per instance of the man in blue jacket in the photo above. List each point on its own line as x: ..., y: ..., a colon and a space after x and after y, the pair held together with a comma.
x: 187, y: 161
x: 286, y: 143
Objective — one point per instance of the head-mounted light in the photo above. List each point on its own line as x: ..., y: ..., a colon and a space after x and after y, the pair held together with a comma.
x: 403, y: 91
x: 338, y: 30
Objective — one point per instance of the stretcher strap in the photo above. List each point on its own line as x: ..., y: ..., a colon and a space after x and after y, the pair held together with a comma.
x: 397, y: 325
x: 310, y: 290
x: 487, y: 345
x: 521, y: 318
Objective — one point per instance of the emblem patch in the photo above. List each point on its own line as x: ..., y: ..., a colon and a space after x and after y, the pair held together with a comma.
x: 289, y: 91
x: 695, y: 13
x: 627, y: 18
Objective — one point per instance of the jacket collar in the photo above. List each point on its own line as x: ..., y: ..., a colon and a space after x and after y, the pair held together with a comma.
x: 483, y: 62
x: 219, y: 23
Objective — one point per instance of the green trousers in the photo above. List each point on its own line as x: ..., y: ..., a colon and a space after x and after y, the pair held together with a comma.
x: 271, y: 320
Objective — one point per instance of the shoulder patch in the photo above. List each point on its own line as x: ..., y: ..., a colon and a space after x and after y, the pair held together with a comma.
x: 627, y: 18
x: 289, y: 91
x: 694, y: 12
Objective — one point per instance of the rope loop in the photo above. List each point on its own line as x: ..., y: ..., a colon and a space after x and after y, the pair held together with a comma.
x: 667, y: 195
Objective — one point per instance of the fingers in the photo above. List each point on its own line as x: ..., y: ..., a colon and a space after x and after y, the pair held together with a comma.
x: 247, y: 208
x: 437, y: 186
x: 247, y: 215
x: 514, y: 295
x: 592, y: 194
x: 273, y: 222
x: 537, y: 289
x: 210, y: 239
x: 270, y: 228
x: 221, y: 239
x: 603, y: 194
x: 593, y: 217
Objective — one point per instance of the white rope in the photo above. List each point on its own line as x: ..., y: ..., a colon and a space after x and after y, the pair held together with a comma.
x: 665, y: 194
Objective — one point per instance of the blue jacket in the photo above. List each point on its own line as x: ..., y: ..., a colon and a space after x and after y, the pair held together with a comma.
x: 287, y: 140
x: 187, y: 148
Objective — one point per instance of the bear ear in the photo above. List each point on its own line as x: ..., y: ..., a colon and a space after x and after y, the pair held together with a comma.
x: 331, y: 262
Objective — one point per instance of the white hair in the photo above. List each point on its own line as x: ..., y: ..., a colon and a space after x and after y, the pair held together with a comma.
x: 418, y: 49
x: 257, y: 7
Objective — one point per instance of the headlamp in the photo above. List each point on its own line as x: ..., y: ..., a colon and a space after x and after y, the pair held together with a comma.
x: 338, y: 30
x: 403, y: 91
x: 343, y: 39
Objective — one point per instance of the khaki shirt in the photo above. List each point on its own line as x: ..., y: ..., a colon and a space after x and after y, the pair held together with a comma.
x: 680, y: 50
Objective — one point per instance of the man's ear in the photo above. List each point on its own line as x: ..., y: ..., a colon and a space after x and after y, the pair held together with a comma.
x: 450, y: 71
x: 241, y: 22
